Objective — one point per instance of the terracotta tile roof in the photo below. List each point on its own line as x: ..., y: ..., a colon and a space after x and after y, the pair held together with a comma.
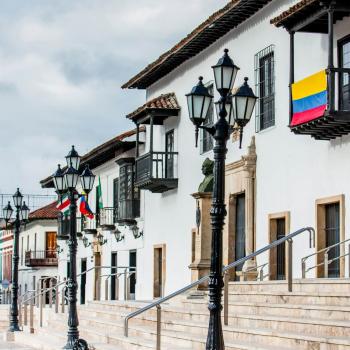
x: 278, y: 21
x: 47, y: 212
x: 162, y: 102
x: 103, y: 152
x: 216, y: 26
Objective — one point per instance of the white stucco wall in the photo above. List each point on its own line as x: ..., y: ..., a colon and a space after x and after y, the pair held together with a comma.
x: 292, y: 171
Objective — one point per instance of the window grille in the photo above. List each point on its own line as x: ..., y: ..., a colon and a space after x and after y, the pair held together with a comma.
x: 206, y: 140
x: 265, y: 88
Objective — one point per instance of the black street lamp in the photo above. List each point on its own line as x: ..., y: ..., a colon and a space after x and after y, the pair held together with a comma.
x: 240, y: 106
x: 22, y: 214
x: 67, y: 182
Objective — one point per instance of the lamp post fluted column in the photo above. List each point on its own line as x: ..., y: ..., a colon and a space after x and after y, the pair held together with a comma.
x: 215, y: 339
x: 14, y: 327
x: 72, y: 285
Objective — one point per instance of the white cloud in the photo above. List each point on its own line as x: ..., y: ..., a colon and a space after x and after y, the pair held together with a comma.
x: 62, y: 65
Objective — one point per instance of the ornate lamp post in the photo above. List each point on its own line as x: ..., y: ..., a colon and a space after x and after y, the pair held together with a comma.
x: 240, y: 106
x: 67, y: 182
x: 22, y: 214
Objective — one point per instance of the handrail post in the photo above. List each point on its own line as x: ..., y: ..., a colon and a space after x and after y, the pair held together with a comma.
x: 20, y: 312
x: 303, y: 269
x: 116, y: 287
x: 290, y: 264
x: 325, y: 264
x: 25, y: 314
x: 41, y: 309
x: 50, y: 293
x: 63, y: 298
x: 261, y: 274
x: 38, y: 297
x: 106, y: 289
x: 125, y: 284
x: 226, y: 281
x: 31, y: 318
x: 159, y: 326
x: 57, y: 298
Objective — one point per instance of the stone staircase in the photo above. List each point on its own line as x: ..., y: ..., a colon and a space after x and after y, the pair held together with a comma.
x: 262, y: 315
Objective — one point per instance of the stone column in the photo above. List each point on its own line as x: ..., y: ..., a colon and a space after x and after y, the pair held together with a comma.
x: 249, y: 184
x: 200, y: 265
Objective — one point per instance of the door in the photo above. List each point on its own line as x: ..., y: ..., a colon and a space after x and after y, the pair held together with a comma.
x: 344, y: 62
x: 97, y: 288
x: 169, y: 154
x: 332, y: 231
x: 114, y: 258
x: 281, y: 249
x: 240, y: 230
x: 83, y: 281
x: 132, y: 264
x: 51, y: 242
x: 158, y: 273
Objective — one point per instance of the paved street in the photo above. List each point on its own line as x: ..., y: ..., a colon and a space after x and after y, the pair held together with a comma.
x: 12, y: 346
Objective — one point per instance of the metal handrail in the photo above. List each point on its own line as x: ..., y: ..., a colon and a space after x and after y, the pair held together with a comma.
x: 158, y: 302
x: 325, y: 250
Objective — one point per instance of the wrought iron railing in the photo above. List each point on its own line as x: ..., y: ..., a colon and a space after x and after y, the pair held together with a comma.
x: 338, y: 89
x: 156, y: 165
x: 128, y: 210
x: 40, y: 257
x: 326, y: 261
x: 157, y: 304
x: 107, y: 216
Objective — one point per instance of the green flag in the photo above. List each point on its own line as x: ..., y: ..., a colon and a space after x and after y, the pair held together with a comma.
x: 99, y: 194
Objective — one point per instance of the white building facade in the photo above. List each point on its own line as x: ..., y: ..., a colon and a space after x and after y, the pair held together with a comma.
x: 278, y: 182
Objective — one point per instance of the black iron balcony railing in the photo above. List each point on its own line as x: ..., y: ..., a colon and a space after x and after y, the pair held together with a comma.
x: 157, y: 171
x: 128, y: 211
x: 41, y: 258
x: 82, y: 224
x: 334, y: 120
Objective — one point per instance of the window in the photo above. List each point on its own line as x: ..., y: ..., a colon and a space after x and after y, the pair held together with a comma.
x: 169, y: 158
x: 206, y: 142
x: 115, y: 197
x: 128, y: 194
x: 344, y: 62
x: 265, y: 88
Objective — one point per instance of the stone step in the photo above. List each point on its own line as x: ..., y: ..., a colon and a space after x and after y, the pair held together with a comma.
x: 323, y: 285
x: 192, y: 333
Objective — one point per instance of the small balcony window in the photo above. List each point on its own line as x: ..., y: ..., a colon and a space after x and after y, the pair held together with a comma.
x: 265, y: 88
x: 128, y: 194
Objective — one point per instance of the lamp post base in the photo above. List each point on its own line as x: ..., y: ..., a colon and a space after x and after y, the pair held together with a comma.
x: 76, y: 344
x: 14, y: 328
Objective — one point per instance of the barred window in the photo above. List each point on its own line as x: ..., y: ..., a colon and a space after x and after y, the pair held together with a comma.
x: 206, y: 141
x: 265, y: 88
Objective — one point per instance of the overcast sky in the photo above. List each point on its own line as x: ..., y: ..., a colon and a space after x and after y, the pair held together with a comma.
x: 62, y: 63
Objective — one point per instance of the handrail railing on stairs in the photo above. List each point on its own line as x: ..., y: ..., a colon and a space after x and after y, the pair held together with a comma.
x: 157, y: 303
x: 326, y: 261
x: 42, y: 292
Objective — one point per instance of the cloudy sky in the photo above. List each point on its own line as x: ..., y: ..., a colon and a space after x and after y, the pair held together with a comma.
x: 62, y: 63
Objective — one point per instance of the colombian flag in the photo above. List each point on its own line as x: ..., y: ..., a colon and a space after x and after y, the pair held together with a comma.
x: 309, y: 98
x: 84, y: 208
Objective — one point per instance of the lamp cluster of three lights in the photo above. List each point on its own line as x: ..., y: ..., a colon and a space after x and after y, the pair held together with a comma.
x: 19, y: 204
x: 67, y: 180
x: 236, y: 107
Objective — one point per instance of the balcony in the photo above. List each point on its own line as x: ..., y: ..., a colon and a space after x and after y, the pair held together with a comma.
x: 128, y: 210
x: 81, y: 225
x: 157, y: 171
x: 333, y: 119
x: 106, y: 218
x: 41, y: 258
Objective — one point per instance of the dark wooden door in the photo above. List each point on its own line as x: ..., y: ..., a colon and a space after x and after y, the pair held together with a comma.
x: 169, y: 150
x: 281, y: 249
x: 132, y: 264
x: 240, y: 230
x: 83, y: 281
x: 114, y: 264
x: 332, y: 231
